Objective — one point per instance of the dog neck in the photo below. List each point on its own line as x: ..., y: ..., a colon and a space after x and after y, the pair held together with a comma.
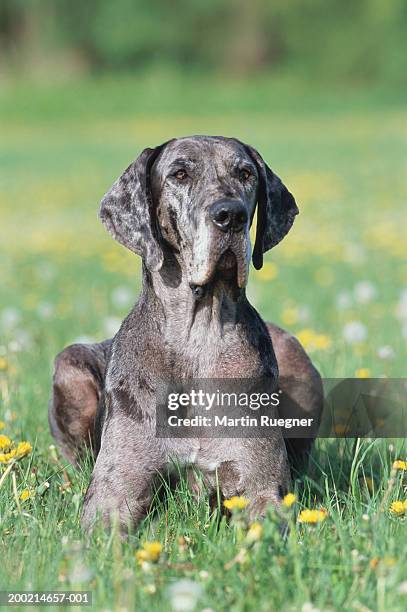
x: 184, y: 317
x: 219, y: 335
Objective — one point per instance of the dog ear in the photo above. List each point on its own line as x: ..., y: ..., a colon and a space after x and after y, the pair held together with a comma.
x: 276, y: 209
x: 127, y: 210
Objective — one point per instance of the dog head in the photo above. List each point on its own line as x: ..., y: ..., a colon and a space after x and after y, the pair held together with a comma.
x: 197, y: 197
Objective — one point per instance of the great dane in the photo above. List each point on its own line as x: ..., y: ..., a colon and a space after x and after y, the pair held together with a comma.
x: 186, y: 208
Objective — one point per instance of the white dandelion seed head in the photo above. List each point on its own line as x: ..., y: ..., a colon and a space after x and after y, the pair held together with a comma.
x: 122, y: 297
x: 403, y: 588
x: 22, y: 341
x: 80, y: 572
x: 364, y: 292
x: 386, y: 352
x: 184, y: 595
x: 354, y: 331
x: 9, y: 318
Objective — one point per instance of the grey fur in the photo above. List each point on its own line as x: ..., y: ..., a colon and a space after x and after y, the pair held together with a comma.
x: 156, y: 211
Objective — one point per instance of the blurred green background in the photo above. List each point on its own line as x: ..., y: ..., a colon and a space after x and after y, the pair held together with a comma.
x: 362, y: 41
x: 318, y: 87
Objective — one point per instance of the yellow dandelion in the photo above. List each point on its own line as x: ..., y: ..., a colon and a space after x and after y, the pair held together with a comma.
x: 25, y: 495
x: 312, y: 516
x: 254, y: 533
x: 23, y: 448
x: 142, y: 556
x: 289, y: 500
x: 399, y: 507
x: 7, y: 457
x: 151, y: 551
x: 400, y: 465
x: 5, y: 442
x: 312, y: 341
x: 362, y: 373
x: 236, y: 503
x: 322, y: 342
x: 3, y: 363
x: 2, y: 425
x: 306, y: 337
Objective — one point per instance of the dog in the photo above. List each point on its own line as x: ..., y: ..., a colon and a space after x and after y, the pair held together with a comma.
x: 186, y: 208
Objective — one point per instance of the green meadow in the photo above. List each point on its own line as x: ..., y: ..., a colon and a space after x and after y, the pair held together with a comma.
x: 338, y: 281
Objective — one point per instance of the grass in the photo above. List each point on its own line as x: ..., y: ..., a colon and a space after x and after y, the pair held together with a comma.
x: 64, y: 278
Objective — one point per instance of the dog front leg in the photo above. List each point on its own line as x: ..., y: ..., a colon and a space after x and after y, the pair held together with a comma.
x: 259, y: 471
x: 121, y: 485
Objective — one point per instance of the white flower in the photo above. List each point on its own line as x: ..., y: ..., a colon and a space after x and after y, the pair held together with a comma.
x: 403, y: 588
x: 111, y: 326
x: 22, y: 341
x: 184, y: 595
x: 364, y: 292
x: 386, y: 352
x: 354, y: 331
x: 79, y: 572
x: 343, y: 300
x: 122, y: 297
x: 9, y: 317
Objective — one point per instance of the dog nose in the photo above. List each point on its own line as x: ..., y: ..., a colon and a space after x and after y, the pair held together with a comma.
x: 228, y: 215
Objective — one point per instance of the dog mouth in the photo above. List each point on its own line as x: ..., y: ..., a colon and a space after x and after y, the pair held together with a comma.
x: 226, y: 268
x: 230, y: 269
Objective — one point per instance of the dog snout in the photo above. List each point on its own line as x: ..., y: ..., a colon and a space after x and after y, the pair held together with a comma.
x: 229, y: 215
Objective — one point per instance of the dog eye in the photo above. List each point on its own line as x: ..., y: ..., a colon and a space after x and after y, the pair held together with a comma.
x: 180, y: 175
x: 244, y: 175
